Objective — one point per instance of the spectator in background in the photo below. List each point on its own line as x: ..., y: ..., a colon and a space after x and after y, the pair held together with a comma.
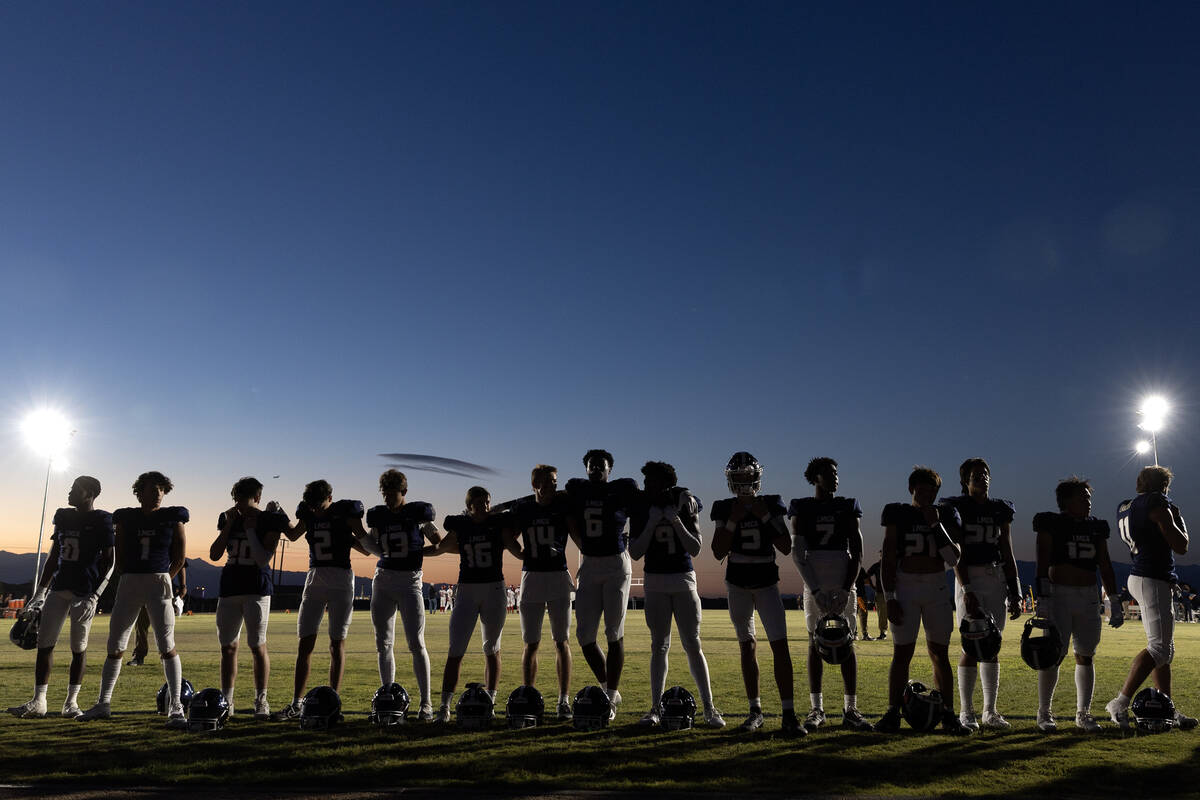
x: 873, y: 582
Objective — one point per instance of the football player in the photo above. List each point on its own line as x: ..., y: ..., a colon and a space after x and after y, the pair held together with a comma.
x: 248, y: 537
x: 332, y: 530
x: 478, y: 538
x: 1071, y: 546
x: 827, y: 546
x: 76, y: 572
x: 150, y: 546
x: 664, y: 521
x: 917, y: 548
x: 985, y: 581
x: 749, y: 530
x: 398, y: 531
x: 543, y: 526
x: 1153, y: 528
x: 600, y: 507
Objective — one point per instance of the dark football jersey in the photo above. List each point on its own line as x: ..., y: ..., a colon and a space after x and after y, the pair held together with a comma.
x: 146, y: 537
x: 1152, y: 556
x: 329, y: 535
x: 665, y: 554
x: 601, y: 510
x: 480, y: 547
x: 914, y: 537
x: 828, y: 525
x: 82, y: 538
x: 543, y: 532
x: 241, y: 574
x: 751, y: 563
x: 400, y: 535
x: 979, y: 533
x: 1073, y: 541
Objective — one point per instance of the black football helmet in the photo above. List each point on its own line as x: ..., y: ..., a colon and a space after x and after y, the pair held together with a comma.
x: 163, y: 699
x: 207, y: 711
x: 389, y: 706
x: 525, y: 708
x: 744, y: 474
x: 921, y: 706
x: 321, y: 709
x: 980, y: 637
x: 678, y: 709
x: 1153, y: 711
x: 475, y: 708
x: 832, y: 639
x: 24, y: 632
x: 592, y: 709
x: 1041, y: 644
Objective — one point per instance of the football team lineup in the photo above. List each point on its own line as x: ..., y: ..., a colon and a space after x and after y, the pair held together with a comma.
x: 614, y: 521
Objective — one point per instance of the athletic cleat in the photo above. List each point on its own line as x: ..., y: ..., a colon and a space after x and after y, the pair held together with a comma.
x: 852, y: 718
x: 1119, y: 714
x: 713, y: 718
x: 814, y: 719
x: 866, y: 637
x: 889, y: 722
x: 71, y: 710
x: 30, y: 710
x: 1086, y: 722
x: 98, y: 711
x: 614, y: 697
x: 790, y: 725
x: 652, y: 719
x: 968, y: 721
x: 1184, y: 722
x: 881, y: 636
x: 443, y: 714
x: 753, y: 722
x: 136, y: 661
x: 177, y: 719
x: 952, y: 725
x: 564, y: 711
x: 262, y: 709
x: 425, y: 714
x: 994, y: 721
x: 290, y: 712
x: 1046, y: 723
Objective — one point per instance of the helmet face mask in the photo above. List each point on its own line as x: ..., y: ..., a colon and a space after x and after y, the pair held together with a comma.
x: 591, y: 709
x: 1153, y: 711
x: 475, y: 708
x: 208, y: 711
x: 389, y: 706
x: 744, y: 474
x: 678, y: 709
x: 1041, y: 644
x: 832, y: 639
x: 921, y: 706
x: 980, y: 637
x: 525, y: 709
x: 321, y: 709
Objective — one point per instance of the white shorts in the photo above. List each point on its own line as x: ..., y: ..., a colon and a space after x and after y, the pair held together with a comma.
x: 331, y: 587
x: 1154, y: 600
x: 152, y: 590
x: 603, y: 588
x: 398, y: 590
x: 541, y: 591
x: 766, y: 600
x: 924, y: 599
x: 60, y: 605
x: 1075, y: 611
x: 255, y: 609
x: 684, y: 607
x: 486, y: 602
x: 989, y: 586
x: 830, y: 569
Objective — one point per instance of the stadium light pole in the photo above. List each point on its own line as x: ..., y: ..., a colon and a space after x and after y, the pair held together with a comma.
x: 47, y: 432
x: 1153, y: 412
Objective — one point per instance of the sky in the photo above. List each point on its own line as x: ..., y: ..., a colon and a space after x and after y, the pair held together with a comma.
x: 283, y: 238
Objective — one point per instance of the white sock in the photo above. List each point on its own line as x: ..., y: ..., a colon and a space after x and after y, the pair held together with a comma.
x: 73, y: 693
x: 698, y: 666
x: 990, y: 675
x: 1123, y: 700
x: 604, y: 686
x: 1047, y: 680
x: 108, y: 678
x: 1085, y: 684
x: 658, y: 674
x: 39, y: 692
x: 260, y: 695
x: 228, y: 692
x: 563, y: 697
x: 815, y: 699
x: 849, y: 701
x: 755, y: 702
x: 491, y: 694
x: 173, y: 671
x: 387, y: 667
x: 966, y: 687
x: 421, y: 669
x: 446, y: 698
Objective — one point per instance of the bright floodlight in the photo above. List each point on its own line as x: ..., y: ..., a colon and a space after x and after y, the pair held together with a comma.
x: 59, y: 464
x: 47, y: 431
x: 1142, y: 447
x: 1155, y: 405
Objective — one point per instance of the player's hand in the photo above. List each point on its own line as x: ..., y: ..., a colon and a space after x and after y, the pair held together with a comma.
x: 1014, y: 606
x: 837, y: 601
x: 759, y: 508
x: 39, y: 599
x: 273, y: 507
x: 232, y: 513
x: 971, y: 600
x: 931, y: 515
x: 182, y: 590
x: 738, y: 512
x: 821, y: 598
x: 1117, y: 617
x: 89, y: 609
x: 895, y: 613
x: 670, y: 513
x: 655, y: 514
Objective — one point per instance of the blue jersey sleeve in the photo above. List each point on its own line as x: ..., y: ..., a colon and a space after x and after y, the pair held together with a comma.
x: 775, y: 505
x: 104, y: 521
x: 1043, y: 522
x: 421, y: 512
x: 1005, y: 511
x: 178, y: 514
x: 892, y: 514
x: 373, y: 516
x: 720, y: 510
x: 1100, y: 528
x: 854, y: 507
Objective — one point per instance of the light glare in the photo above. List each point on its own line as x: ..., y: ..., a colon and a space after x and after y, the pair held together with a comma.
x: 1142, y: 447
x: 47, y: 432
x: 59, y: 464
x: 1155, y: 406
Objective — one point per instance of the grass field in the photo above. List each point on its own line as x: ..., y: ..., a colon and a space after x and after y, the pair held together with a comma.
x: 135, y: 749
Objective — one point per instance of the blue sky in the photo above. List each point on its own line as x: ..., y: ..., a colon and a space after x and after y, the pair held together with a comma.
x: 283, y: 238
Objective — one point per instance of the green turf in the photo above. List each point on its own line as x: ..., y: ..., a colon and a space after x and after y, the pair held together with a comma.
x: 134, y: 748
